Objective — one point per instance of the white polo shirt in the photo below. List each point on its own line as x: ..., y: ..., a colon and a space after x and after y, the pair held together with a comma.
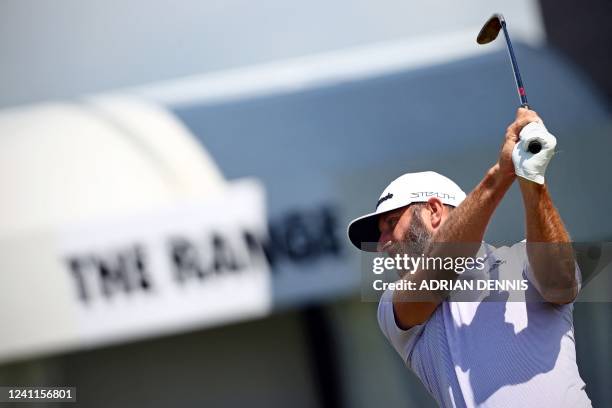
x: 493, y: 354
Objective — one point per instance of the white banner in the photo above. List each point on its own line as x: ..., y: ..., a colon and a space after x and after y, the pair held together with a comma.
x: 193, y: 265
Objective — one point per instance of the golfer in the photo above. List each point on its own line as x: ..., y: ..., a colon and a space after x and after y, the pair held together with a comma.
x: 489, y: 352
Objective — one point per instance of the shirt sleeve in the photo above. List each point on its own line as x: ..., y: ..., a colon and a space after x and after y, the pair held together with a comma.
x: 403, y: 341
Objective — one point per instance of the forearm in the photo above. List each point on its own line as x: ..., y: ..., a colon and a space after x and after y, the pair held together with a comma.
x: 462, y: 233
x: 549, y: 247
x: 468, y: 222
x: 465, y: 226
x: 543, y: 221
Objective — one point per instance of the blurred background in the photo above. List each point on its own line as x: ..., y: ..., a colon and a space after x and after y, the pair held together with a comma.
x: 131, y: 130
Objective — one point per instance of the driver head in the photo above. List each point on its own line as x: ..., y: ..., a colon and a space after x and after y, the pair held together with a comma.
x: 490, y: 30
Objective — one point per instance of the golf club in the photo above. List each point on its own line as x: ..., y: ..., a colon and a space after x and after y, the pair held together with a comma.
x: 488, y: 33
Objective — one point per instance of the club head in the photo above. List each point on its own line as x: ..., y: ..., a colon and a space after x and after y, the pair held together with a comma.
x: 490, y: 29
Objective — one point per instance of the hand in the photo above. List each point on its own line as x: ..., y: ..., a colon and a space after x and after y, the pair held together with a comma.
x: 505, y: 162
x: 528, y: 165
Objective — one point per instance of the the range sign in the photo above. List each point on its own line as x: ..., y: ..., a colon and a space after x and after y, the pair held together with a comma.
x: 192, y: 265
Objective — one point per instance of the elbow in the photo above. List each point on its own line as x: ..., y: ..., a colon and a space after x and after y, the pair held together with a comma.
x: 560, y: 296
x: 559, y: 286
x: 409, y: 314
x: 561, y: 290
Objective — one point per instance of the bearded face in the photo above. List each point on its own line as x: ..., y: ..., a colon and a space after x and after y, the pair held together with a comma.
x: 415, y: 239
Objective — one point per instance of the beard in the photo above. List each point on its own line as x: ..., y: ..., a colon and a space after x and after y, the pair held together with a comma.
x: 415, y: 240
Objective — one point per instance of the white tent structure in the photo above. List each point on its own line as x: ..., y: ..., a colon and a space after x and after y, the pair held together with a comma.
x: 63, y: 163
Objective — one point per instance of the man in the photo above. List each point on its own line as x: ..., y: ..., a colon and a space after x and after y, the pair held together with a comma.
x: 487, y: 352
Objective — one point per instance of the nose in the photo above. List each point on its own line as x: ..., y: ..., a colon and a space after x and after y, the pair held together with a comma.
x: 382, y: 241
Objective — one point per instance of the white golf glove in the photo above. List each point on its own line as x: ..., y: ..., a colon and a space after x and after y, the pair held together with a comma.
x: 526, y: 164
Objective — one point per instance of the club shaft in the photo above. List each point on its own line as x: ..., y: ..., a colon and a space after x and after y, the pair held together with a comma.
x: 515, y: 69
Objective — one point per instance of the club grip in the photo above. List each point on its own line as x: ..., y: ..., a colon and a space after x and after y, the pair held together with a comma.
x: 534, y: 147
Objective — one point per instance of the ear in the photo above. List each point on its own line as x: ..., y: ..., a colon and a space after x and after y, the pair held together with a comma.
x: 436, y: 209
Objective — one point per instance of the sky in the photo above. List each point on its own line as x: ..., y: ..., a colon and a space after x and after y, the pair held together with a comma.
x: 63, y: 49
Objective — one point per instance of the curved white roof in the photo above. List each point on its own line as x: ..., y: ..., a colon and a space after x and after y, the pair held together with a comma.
x: 61, y: 163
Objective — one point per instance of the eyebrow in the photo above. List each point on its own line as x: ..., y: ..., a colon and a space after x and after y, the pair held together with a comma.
x: 384, y: 219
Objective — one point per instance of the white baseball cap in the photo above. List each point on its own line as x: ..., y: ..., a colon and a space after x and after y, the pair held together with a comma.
x: 404, y: 190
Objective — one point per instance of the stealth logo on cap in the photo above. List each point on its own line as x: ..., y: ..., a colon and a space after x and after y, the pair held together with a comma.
x: 422, y: 194
x: 385, y: 198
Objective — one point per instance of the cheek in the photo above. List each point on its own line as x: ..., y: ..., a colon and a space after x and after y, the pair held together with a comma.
x: 399, y: 232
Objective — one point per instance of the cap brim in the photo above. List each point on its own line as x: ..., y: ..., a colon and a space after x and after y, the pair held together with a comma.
x: 363, y: 230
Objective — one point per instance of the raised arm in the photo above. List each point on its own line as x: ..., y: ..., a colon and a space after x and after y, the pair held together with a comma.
x: 466, y: 225
x: 549, y: 248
